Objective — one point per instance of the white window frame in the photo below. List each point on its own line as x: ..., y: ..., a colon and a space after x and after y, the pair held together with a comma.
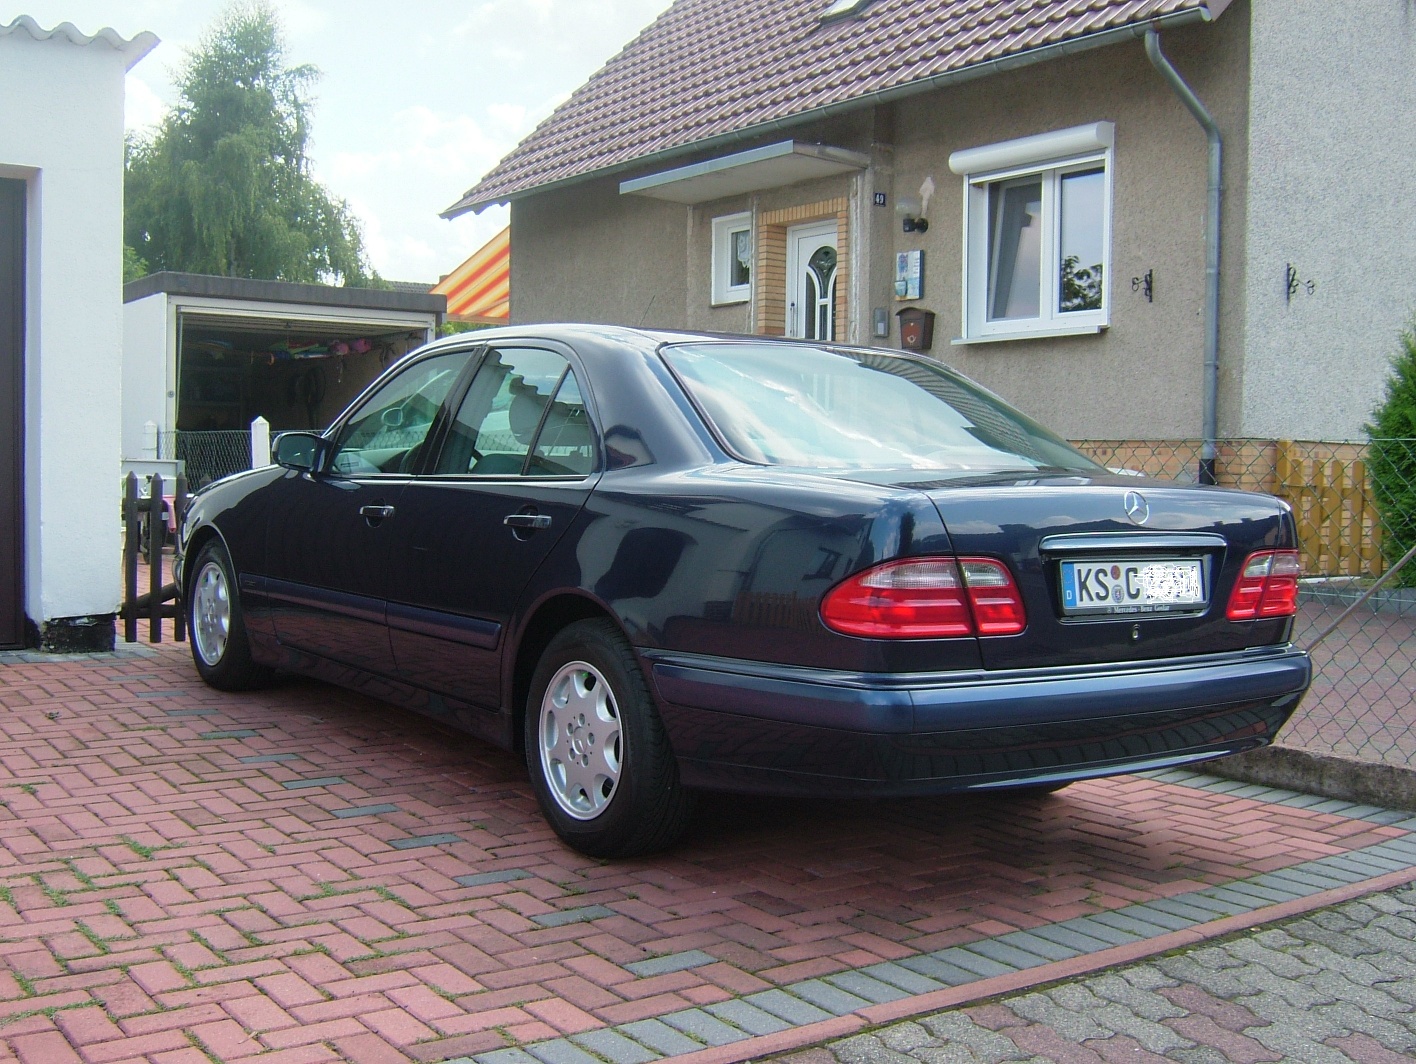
x: 1050, y: 157
x: 724, y: 227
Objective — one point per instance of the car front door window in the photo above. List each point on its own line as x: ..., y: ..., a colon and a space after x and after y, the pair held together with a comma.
x: 387, y: 432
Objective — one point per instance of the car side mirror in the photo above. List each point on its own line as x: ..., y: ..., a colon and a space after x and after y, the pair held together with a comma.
x: 304, y: 451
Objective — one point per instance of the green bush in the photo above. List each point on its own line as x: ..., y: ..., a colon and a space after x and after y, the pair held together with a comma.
x: 1392, y: 461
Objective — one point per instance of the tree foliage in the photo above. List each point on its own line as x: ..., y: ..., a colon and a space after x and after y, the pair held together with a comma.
x: 223, y: 185
x: 1392, y: 461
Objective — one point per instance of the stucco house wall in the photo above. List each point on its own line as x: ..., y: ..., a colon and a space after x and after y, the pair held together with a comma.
x: 61, y: 131
x: 1332, y: 176
x: 1140, y: 378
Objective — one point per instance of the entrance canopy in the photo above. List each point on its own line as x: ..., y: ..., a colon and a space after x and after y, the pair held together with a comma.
x: 480, y: 289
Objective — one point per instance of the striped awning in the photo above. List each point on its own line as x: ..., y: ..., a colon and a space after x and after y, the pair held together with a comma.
x: 480, y: 289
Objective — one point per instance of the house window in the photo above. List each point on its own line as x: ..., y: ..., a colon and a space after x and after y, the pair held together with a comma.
x: 732, y: 258
x: 1037, y: 245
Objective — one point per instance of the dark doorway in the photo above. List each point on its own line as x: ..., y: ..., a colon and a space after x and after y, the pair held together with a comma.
x: 12, y: 361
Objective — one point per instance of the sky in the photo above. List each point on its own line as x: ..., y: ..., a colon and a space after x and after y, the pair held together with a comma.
x: 416, y: 100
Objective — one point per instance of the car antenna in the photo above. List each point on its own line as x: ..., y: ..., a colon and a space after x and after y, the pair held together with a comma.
x: 647, y: 307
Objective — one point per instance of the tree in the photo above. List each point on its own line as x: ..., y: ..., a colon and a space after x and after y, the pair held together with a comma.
x: 1392, y: 458
x: 224, y: 185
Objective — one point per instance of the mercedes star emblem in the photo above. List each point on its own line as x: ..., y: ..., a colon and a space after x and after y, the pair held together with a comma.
x: 1137, y: 509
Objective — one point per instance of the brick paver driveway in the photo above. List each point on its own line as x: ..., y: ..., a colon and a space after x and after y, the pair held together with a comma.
x: 311, y: 875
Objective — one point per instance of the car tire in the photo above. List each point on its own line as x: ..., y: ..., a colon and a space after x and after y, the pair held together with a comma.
x: 599, y: 759
x: 215, y: 625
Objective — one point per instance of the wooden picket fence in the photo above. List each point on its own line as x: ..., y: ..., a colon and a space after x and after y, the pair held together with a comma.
x: 1339, y: 529
x: 145, y: 533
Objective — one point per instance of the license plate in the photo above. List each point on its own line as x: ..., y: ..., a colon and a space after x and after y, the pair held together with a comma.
x: 1109, y: 586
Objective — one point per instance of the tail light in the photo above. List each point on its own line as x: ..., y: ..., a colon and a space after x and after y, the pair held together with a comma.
x: 927, y: 598
x: 1268, y: 586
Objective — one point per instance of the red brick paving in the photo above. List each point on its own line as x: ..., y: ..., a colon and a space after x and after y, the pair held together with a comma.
x: 162, y: 898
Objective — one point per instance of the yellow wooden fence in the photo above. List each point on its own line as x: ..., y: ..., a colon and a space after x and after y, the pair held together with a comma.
x: 1339, y: 530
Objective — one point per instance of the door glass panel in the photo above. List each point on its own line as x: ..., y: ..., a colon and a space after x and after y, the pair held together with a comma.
x: 498, y: 420
x: 1083, y: 237
x: 386, y: 434
x: 1015, y: 251
x: 564, y: 447
x: 821, y: 287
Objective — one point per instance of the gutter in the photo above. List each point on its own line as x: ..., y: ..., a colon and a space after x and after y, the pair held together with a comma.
x: 1213, y: 233
x: 947, y: 79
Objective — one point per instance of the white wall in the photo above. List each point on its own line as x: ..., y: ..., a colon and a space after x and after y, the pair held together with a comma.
x: 1332, y: 171
x: 145, y: 358
x: 61, y: 127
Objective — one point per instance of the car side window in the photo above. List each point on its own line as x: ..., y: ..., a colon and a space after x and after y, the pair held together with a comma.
x: 387, y: 432
x: 522, y: 416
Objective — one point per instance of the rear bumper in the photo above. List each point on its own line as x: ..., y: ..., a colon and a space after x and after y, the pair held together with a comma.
x: 739, y: 725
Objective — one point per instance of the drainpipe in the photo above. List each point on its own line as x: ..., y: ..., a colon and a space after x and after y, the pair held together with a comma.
x: 1212, y: 238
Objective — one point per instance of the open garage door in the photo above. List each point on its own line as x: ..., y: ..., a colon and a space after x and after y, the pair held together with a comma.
x: 12, y: 351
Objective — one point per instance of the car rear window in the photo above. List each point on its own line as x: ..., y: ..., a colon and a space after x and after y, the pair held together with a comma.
x: 830, y: 408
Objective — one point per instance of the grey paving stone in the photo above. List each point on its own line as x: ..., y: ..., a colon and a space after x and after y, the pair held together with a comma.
x: 1072, y: 938
x: 1073, y: 1026
x: 750, y: 1018
x: 615, y: 1047
x: 660, y: 1037
x: 417, y: 842
x: 705, y: 1027
x: 787, y: 1007
x: 1152, y: 913
x: 365, y: 810
x: 265, y: 759
x: 1147, y: 1004
x: 984, y: 967
x: 865, y: 986
x: 1126, y: 919
x: 673, y: 962
x: 1284, y: 965
x: 560, y: 1051
x: 506, y: 1056
x: 1038, y: 945
x: 1094, y: 928
x: 584, y: 914
x: 1153, y: 1037
x: 318, y: 781
x: 1395, y: 1036
x: 825, y: 996
x: 232, y: 733
x: 481, y: 879
x: 1312, y: 878
x: 906, y: 1037
x: 191, y: 712
x: 1193, y: 911
x: 959, y: 1029
x: 1004, y: 952
x: 910, y: 981
x: 868, y: 1049
x: 931, y: 966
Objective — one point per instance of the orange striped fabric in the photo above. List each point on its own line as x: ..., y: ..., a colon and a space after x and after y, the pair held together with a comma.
x: 480, y: 289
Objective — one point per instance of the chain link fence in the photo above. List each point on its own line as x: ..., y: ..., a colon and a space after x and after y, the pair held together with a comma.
x: 1355, y: 508
x: 208, y: 455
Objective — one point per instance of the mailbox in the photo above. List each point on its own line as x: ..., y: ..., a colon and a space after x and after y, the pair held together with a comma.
x: 916, y: 328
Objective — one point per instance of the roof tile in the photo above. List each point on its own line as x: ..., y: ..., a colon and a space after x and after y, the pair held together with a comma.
x: 706, y: 68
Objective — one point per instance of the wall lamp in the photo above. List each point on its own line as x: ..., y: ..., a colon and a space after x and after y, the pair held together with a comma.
x: 911, y: 213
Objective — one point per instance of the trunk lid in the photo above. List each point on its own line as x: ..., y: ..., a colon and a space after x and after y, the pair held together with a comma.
x: 1071, y: 541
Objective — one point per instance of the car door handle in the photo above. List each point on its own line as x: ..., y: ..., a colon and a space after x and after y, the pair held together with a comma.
x: 376, y: 513
x: 527, y: 520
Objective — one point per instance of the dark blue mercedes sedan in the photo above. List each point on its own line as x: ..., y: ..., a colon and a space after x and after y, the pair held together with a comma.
x: 664, y: 562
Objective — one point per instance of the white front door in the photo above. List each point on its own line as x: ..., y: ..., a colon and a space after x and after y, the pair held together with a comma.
x: 811, y: 281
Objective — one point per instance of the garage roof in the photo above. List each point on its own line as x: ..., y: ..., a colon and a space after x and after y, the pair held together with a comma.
x: 316, y: 295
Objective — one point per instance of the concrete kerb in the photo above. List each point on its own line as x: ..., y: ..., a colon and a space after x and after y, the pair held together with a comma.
x: 1389, y: 786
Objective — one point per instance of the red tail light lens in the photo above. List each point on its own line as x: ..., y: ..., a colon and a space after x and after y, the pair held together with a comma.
x: 1268, y: 586
x: 926, y: 598
x: 997, y: 606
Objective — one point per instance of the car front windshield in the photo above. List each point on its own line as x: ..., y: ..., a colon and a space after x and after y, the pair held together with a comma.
x: 836, y: 409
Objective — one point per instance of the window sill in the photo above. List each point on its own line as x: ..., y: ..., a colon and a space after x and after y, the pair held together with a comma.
x: 1029, y: 334
x: 730, y: 301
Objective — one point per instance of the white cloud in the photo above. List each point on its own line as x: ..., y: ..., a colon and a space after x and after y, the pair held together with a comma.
x: 142, y: 107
